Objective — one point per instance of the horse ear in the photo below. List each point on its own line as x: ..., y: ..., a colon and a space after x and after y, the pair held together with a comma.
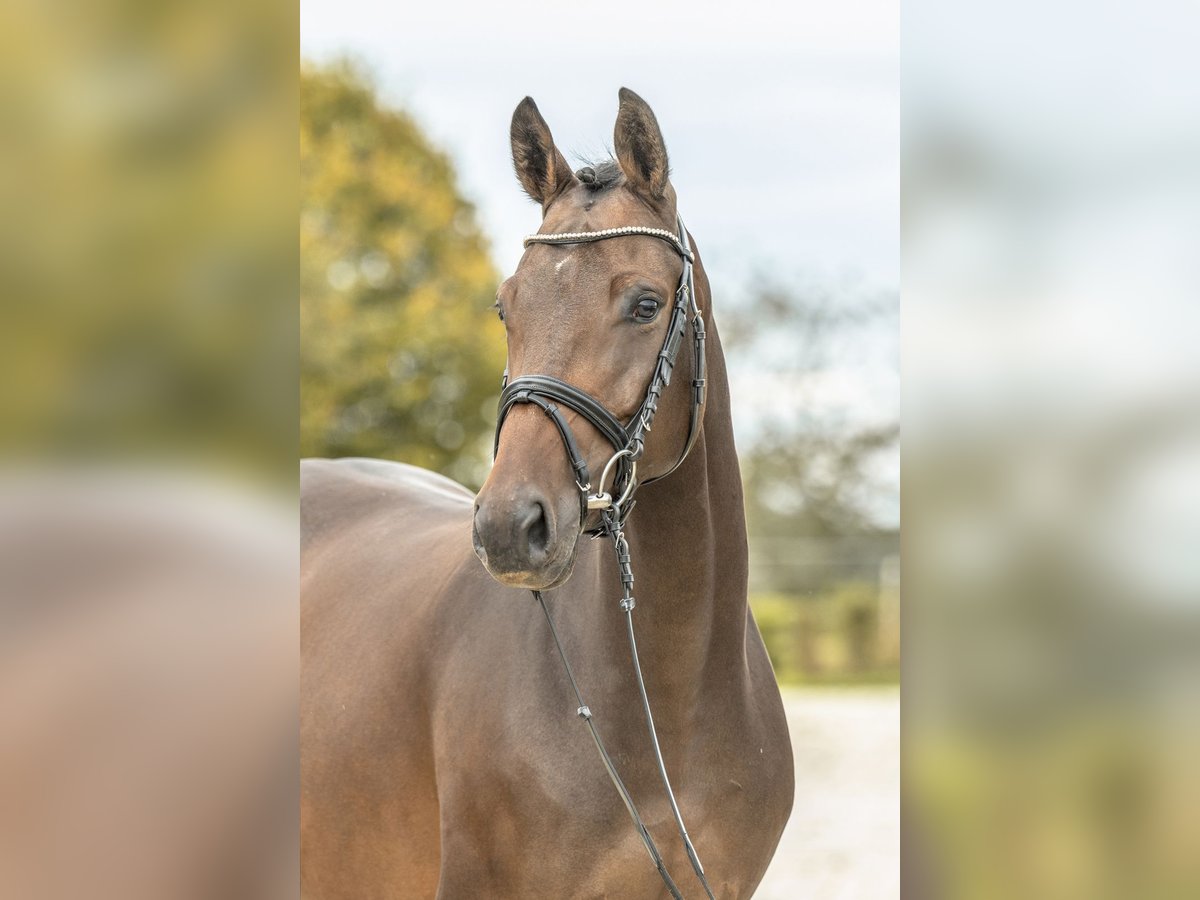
x: 541, y: 169
x: 641, y: 151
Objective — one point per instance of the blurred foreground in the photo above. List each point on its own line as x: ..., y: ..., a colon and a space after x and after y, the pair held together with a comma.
x: 148, y: 689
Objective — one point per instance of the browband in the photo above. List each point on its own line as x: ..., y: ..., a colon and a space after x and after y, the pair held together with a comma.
x: 586, y: 237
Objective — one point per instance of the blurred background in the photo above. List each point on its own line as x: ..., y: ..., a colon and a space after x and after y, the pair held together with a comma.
x: 782, y: 125
x: 1052, y: 450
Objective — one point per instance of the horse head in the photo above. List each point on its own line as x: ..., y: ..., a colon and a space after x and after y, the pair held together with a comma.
x: 593, y: 316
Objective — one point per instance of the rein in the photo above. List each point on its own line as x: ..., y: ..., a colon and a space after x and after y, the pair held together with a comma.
x: 628, y: 441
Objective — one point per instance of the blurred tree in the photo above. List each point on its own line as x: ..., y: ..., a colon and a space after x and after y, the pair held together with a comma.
x: 400, y: 357
x: 147, y: 267
x: 820, y: 471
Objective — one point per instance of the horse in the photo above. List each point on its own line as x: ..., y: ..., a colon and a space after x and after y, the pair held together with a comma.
x: 440, y: 751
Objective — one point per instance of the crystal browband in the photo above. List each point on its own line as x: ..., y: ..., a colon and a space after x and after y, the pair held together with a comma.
x: 583, y: 237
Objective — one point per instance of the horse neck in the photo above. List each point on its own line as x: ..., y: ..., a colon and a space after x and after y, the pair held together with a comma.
x: 687, y: 538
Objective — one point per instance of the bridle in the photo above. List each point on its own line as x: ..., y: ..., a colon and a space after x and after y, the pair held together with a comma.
x: 629, y: 442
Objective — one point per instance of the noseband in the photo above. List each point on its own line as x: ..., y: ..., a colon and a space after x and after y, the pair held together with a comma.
x: 628, y: 439
x: 629, y: 442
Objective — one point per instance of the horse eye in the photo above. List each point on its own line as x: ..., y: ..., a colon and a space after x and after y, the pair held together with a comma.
x: 499, y: 311
x: 646, y: 310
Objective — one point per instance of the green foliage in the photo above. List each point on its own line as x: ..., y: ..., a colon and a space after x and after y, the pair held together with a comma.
x: 400, y: 357
x: 833, y: 637
x: 144, y: 290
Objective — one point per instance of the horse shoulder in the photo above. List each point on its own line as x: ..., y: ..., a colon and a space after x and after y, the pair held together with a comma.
x: 380, y: 541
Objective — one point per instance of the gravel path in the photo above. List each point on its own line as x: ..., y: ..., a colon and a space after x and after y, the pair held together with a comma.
x: 843, y: 840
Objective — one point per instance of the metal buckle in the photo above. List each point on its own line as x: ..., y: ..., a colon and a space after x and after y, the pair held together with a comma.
x: 602, y: 499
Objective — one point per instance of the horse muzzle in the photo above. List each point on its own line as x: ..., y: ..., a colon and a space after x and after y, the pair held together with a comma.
x: 522, y: 539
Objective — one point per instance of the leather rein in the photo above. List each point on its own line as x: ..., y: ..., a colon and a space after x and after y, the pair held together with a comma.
x: 614, y: 504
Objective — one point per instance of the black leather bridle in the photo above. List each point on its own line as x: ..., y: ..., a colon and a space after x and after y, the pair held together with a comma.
x: 628, y: 439
x: 629, y: 442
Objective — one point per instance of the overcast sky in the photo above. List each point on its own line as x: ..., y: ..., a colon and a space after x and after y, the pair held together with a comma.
x: 781, y: 119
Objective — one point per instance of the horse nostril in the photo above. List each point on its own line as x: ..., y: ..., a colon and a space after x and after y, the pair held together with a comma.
x: 537, y: 531
x: 517, y: 538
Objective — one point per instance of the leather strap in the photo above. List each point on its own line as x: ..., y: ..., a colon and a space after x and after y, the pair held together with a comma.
x: 699, y: 364
x: 586, y: 714
x: 567, y: 394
